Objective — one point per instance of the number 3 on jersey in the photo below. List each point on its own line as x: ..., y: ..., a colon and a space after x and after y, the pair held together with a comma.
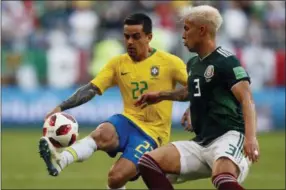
x: 138, y: 86
x: 197, y: 87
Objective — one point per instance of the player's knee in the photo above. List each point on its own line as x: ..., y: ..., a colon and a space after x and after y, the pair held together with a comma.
x: 149, y: 158
x: 159, y: 155
x: 154, y: 155
x: 105, y: 137
x: 116, y: 180
x: 225, y: 165
x: 169, y: 163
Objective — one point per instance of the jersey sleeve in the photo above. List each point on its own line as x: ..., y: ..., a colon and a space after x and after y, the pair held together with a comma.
x: 180, y: 72
x: 106, y: 77
x: 233, y: 72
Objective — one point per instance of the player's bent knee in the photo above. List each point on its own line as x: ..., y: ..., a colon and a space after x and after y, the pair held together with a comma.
x: 116, y: 180
x: 225, y: 165
x: 155, y: 155
x: 105, y: 137
x: 169, y: 163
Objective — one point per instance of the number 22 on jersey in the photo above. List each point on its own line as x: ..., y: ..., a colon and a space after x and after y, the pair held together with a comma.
x: 138, y: 88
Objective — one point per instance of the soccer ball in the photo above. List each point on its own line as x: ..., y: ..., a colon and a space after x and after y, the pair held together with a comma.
x: 61, y: 129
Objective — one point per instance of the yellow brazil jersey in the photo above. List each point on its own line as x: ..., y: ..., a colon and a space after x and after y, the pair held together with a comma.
x: 161, y: 71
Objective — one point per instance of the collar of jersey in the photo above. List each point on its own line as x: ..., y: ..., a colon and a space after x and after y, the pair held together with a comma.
x: 208, y: 54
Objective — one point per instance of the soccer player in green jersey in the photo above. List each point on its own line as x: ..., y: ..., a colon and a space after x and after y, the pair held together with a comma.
x: 222, y: 114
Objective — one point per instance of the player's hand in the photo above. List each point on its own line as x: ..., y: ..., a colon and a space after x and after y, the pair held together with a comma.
x: 186, y: 121
x: 56, y: 110
x: 148, y: 99
x: 251, y: 149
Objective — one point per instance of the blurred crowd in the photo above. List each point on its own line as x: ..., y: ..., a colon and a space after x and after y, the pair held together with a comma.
x: 62, y: 44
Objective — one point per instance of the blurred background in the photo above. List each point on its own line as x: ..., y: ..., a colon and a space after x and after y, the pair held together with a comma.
x: 50, y: 48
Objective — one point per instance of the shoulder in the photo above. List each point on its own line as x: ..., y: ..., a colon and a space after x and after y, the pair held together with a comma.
x: 118, y: 59
x: 192, y: 61
x: 227, y: 58
x: 168, y: 56
x: 224, y: 55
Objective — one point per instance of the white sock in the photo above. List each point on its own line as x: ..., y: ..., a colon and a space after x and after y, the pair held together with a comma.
x: 118, y: 188
x: 79, y: 151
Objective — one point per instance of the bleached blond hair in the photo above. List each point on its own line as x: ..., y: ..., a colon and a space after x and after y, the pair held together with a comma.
x: 204, y: 14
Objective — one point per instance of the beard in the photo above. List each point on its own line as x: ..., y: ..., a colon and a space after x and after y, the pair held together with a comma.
x: 192, y: 49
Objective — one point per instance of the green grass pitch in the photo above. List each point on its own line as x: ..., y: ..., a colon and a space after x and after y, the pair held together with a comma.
x: 22, y: 167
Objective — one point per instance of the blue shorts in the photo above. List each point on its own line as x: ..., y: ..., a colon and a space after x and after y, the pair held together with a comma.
x: 133, y: 142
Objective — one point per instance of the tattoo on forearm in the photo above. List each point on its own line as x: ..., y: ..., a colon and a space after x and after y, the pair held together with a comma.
x: 181, y: 95
x: 81, y: 96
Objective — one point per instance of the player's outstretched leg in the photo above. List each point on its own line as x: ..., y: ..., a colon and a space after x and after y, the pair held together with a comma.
x: 155, y: 164
x: 104, y: 137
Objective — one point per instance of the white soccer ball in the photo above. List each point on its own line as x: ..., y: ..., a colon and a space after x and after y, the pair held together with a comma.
x: 61, y: 129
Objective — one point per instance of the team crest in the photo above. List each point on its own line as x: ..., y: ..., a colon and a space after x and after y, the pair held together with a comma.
x: 209, y: 73
x: 154, y: 71
x: 190, y: 72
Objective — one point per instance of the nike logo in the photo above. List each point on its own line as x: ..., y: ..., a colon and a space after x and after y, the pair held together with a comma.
x: 122, y: 73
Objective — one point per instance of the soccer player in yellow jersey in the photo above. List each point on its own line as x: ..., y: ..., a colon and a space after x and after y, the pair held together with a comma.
x: 135, y: 131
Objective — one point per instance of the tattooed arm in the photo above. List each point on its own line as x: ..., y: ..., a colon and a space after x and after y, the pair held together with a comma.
x: 81, y: 96
x: 181, y: 95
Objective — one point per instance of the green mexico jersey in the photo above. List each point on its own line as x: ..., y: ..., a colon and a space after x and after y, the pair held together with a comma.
x: 214, y: 108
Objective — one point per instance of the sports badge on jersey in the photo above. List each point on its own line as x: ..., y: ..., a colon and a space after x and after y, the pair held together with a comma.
x: 209, y: 73
x: 239, y: 72
x: 154, y: 71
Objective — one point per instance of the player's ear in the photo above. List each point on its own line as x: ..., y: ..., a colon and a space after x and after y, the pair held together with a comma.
x: 203, y: 30
x: 149, y: 37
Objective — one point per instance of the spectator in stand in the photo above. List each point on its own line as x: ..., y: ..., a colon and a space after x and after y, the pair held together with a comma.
x: 83, y: 22
x: 63, y: 64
